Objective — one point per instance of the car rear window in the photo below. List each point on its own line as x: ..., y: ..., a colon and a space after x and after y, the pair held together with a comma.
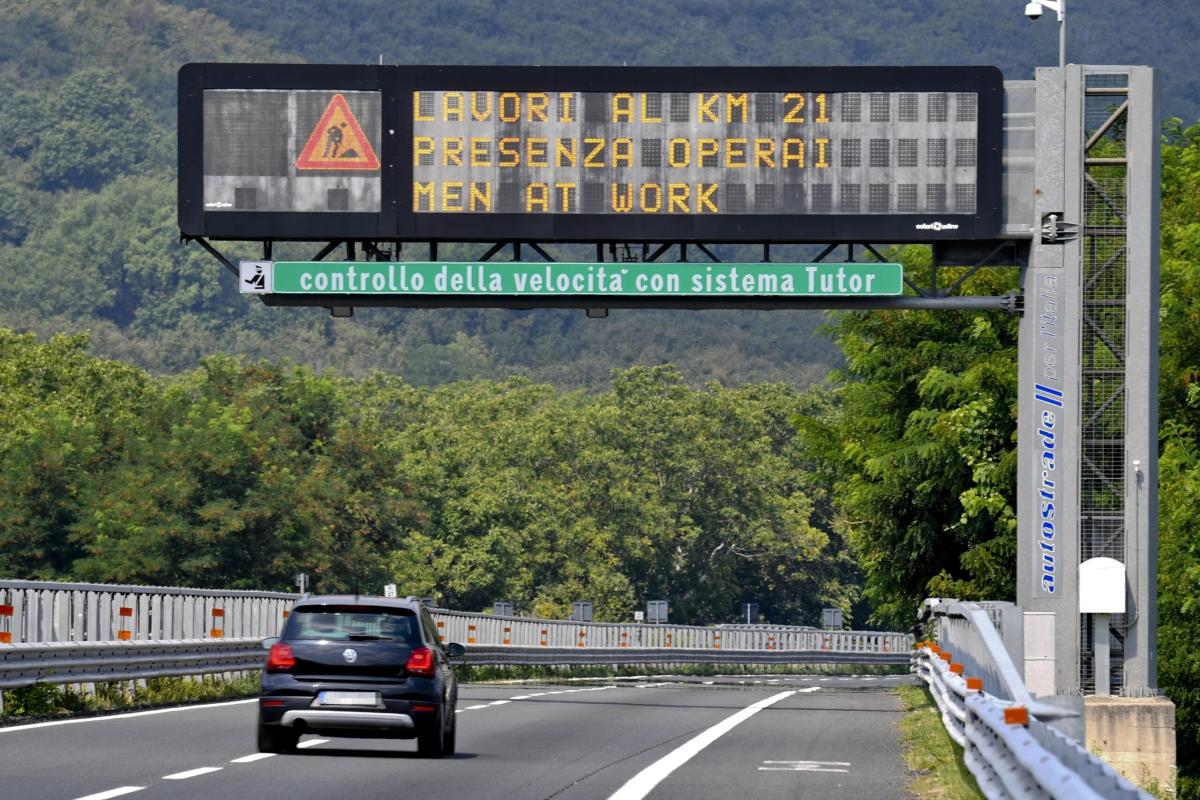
x: 350, y: 623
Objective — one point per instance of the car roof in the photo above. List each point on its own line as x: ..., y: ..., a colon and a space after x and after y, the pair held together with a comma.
x: 411, y: 604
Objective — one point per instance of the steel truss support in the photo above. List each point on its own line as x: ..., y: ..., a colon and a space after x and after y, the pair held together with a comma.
x: 1087, y: 415
x: 973, y: 257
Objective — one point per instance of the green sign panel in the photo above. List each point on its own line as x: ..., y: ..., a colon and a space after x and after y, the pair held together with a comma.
x: 575, y: 279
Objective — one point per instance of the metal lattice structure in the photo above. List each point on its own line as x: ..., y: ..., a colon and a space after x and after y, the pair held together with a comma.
x: 1103, y: 349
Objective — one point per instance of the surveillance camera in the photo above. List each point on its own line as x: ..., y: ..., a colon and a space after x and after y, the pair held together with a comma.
x: 1033, y: 10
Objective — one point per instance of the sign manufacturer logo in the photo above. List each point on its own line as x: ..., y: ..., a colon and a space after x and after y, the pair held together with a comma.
x: 937, y: 227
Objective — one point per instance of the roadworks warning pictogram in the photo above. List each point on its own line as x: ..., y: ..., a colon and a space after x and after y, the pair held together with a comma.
x: 338, y: 141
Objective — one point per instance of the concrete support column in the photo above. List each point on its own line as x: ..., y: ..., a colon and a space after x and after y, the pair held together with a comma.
x: 1048, y: 446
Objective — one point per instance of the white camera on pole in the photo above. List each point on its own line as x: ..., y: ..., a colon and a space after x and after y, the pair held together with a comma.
x: 1036, y: 8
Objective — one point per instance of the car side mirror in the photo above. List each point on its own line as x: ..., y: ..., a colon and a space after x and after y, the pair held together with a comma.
x: 269, y: 642
x: 455, y: 650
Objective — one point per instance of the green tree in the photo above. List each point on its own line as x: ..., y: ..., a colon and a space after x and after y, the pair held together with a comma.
x: 96, y: 128
x: 922, y: 451
x: 1179, y: 465
x: 66, y: 418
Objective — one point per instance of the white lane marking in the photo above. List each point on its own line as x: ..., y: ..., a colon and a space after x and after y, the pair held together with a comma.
x: 130, y: 715
x: 312, y: 743
x: 810, y: 689
x: 805, y: 766
x: 191, y: 773
x: 251, y: 758
x: 499, y: 702
x: 521, y: 697
x: 120, y: 790
x: 641, y: 784
x: 473, y: 708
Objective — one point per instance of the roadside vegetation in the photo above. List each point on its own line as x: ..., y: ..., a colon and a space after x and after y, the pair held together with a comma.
x: 934, y: 758
x: 44, y: 701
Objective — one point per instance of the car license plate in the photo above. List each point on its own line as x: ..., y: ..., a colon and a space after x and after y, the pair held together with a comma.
x: 348, y: 699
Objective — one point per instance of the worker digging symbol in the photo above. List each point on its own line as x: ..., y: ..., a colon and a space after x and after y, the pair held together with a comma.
x: 337, y: 141
x: 333, y: 142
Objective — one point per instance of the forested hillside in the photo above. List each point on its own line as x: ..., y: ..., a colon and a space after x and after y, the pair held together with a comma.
x: 749, y: 32
x: 88, y: 237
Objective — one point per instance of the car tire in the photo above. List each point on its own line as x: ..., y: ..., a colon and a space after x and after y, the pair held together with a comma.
x: 448, y: 738
x: 276, y: 739
x: 431, y: 742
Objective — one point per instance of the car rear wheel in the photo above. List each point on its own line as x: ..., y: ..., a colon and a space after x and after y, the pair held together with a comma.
x: 431, y: 742
x: 449, y: 736
x: 276, y: 739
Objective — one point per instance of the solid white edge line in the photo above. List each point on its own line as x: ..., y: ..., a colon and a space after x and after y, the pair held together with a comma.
x: 130, y: 715
x: 191, y: 773
x: 119, y: 791
x: 251, y: 758
x: 641, y: 784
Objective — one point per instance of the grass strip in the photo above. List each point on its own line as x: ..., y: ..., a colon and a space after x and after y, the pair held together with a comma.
x: 45, y: 701
x: 935, y: 759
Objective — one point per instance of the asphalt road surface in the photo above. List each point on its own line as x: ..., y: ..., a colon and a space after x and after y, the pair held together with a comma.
x: 661, y: 737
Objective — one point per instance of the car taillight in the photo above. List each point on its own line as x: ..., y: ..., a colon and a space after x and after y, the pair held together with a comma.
x: 281, y: 658
x: 420, y: 662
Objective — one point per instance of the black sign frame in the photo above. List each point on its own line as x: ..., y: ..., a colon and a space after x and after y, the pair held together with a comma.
x: 397, y: 222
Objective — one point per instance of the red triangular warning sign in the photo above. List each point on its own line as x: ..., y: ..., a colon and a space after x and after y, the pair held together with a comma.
x: 338, y: 141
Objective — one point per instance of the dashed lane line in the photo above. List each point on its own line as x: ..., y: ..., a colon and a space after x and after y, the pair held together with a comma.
x: 311, y: 743
x: 118, y: 792
x: 805, y: 766
x: 191, y: 773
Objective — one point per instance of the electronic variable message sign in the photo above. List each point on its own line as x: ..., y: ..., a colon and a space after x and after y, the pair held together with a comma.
x: 590, y: 154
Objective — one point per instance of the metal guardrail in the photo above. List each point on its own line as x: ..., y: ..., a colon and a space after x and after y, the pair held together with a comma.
x: 566, y: 656
x: 89, y: 662
x: 43, y: 611
x: 471, y: 629
x: 94, y: 662
x: 37, y: 611
x: 86, y: 633
x: 986, y: 708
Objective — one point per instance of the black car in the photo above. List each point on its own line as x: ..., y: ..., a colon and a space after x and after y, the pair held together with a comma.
x: 370, y: 667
